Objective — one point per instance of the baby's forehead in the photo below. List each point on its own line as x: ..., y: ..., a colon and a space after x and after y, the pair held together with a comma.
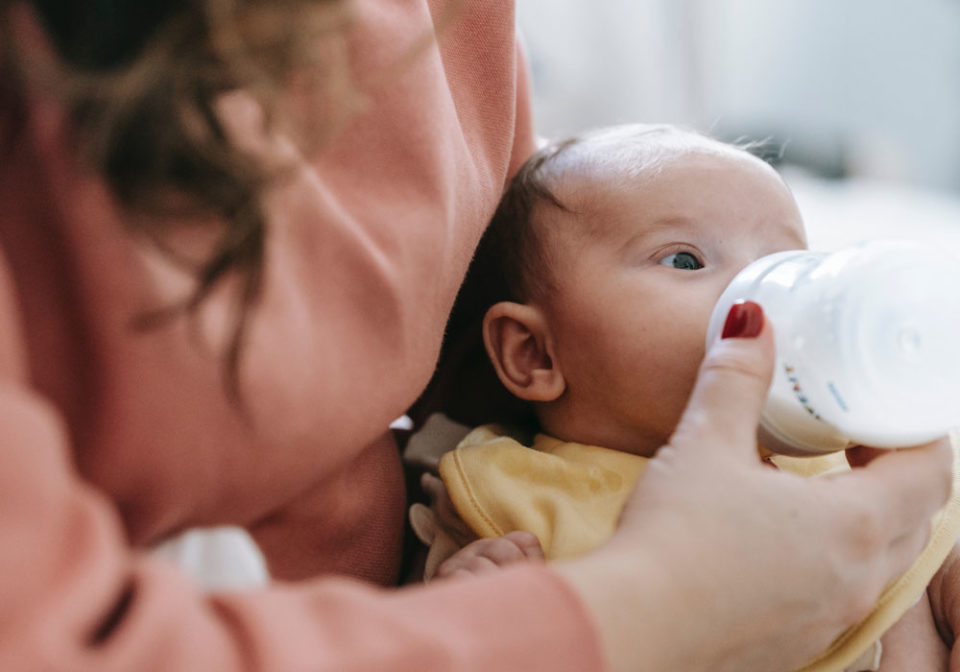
x: 626, y: 155
x: 586, y: 176
x: 602, y: 179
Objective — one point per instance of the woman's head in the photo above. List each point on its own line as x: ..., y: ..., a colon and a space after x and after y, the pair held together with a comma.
x: 634, y: 232
x: 140, y: 83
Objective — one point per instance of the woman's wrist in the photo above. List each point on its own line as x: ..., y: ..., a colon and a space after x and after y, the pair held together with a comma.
x: 625, y: 595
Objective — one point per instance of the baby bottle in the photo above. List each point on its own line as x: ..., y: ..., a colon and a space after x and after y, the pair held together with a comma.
x: 867, y: 341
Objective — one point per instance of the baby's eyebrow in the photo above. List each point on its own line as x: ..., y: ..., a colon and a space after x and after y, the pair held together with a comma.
x: 682, y: 224
x: 670, y: 221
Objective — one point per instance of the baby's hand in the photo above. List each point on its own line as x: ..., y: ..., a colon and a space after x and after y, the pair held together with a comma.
x: 485, y: 555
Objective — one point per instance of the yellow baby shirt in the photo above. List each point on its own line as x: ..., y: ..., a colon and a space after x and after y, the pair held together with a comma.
x: 570, y: 496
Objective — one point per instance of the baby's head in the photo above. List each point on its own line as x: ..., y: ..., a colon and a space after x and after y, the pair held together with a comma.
x: 615, y: 247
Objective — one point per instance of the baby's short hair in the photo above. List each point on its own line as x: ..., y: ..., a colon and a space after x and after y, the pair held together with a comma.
x: 515, y: 240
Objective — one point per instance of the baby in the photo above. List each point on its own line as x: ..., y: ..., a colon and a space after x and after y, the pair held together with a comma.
x: 613, y: 248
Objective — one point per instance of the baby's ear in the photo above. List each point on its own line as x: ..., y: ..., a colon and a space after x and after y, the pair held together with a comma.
x: 519, y: 343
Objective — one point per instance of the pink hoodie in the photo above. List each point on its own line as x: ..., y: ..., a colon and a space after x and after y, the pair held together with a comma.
x: 111, y: 438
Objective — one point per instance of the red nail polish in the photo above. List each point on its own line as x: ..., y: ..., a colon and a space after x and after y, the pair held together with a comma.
x: 745, y: 320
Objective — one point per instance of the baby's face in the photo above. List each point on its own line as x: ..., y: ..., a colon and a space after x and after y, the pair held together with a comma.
x: 635, y: 287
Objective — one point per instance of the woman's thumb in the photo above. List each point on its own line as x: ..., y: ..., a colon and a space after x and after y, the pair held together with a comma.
x: 731, y: 387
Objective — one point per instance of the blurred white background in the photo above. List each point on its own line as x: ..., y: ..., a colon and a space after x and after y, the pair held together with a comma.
x: 863, y: 96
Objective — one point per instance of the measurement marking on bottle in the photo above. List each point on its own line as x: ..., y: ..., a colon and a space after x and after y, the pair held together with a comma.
x: 798, y: 391
x: 837, y: 396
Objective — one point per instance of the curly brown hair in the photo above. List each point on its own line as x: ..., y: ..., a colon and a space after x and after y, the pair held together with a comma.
x: 142, y: 97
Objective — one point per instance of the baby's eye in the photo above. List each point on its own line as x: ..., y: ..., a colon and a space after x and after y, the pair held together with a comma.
x: 685, y: 261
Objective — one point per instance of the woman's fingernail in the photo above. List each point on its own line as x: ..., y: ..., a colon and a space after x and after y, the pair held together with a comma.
x: 745, y: 320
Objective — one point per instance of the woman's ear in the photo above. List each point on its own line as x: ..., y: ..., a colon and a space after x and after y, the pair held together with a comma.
x: 519, y: 343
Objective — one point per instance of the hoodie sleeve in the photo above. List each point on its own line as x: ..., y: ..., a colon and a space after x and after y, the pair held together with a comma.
x: 75, y: 597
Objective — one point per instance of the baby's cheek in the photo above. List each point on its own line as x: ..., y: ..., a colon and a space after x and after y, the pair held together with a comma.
x: 675, y: 384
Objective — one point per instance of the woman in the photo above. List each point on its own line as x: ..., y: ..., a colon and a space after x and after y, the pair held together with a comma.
x: 231, y: 235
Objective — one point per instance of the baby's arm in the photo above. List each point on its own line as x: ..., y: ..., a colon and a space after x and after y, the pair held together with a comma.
x: 944, y: 593
x: 485, y: 555
x: 913, y: 643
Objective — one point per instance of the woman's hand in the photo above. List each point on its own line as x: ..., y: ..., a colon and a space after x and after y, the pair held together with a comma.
x: 722, y: 564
